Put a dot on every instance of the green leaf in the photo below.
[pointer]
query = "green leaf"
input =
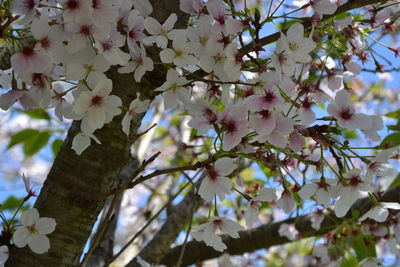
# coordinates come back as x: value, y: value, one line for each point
x: 342, y: 15
x: 22, y: 136
x: 56, y: 145
x: 11, y: 203
x: 395, y: 182
x: 394, y: 114
x: 394, y: 127
x: 38, y: 114
x: 391, y: 140
x: 37, y: 142
x: 350, y: 134
x: 362, y: 250
x: 349, y: 261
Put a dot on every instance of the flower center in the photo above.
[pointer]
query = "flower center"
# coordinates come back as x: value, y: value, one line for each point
x: 32, y: 229
x: 346, y: 114
x: 97, y: 100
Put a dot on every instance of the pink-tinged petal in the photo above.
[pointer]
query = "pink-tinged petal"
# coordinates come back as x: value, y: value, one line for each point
x: 39, y: 244
x: 286, y: 202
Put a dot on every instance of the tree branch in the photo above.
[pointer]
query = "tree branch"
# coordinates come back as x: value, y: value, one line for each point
x: 351, y: 4
x: 267, y: 235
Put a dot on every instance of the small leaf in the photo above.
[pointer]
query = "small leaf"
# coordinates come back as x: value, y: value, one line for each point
x: 391, y: 140
x: 362, y: 250
x: 38, y: 114
x: 34, y: 144
x: 394, y: 114
x: 56, y: 145
x: 22, y: 136
x: 395, y: 182
x: 11, y: 203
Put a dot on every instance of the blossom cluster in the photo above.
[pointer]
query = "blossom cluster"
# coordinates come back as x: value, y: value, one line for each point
x: 253, y: 103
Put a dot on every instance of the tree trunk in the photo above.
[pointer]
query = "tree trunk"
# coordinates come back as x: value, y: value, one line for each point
x: 70, y: 192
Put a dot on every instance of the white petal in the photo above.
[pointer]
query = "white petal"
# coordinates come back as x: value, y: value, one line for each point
x: 46, y: 225
x: 39, y: 244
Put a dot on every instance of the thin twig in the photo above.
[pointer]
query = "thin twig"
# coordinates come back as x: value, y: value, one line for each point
x: 146, y: 225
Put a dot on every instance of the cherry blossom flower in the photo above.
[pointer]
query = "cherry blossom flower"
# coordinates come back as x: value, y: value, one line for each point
x: 252, y: 211
x: 139, y: 65
x: 192, y: 7
x: 316, y: 219
x: 283, y: 62
x: 135, y: 29
x: 103, y: 11
x: 339, y: 25
x: 379, y: 164
x: 109, y: 48
x: 321, y: 251
x: 370, y: 262
x: 144, y: 7
x: 205, y: 115
x: 323, y: 7
x: 49, y: 39
x: 97, y: 106
x: 214, y: 59
x: 349, y: 194
x: 263, y: 122
x: 323, y: 189
x: 180, y: 54
x: 207, y: 232
x: 29, y: 60
x: 217, y: 182
x: 376, y: 125
x: 4, y: 254
x: 135, y: 108
x: 225, y: 24
x: 87, y: 64
x: 77, y: 10
x: 286, y: 201
x: 27, y: 8
x: 81, y: 32
x: 283, y: 127
x: 343, y: 110
x: 175, y: 89
x: 289, y: 231
x: 33, y: 231
x: 160, y: 33
x: 265, y: 100
x: 82, y: 141
x: 296, y: 44
x: 380, y: 211
x: 234, y: 124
